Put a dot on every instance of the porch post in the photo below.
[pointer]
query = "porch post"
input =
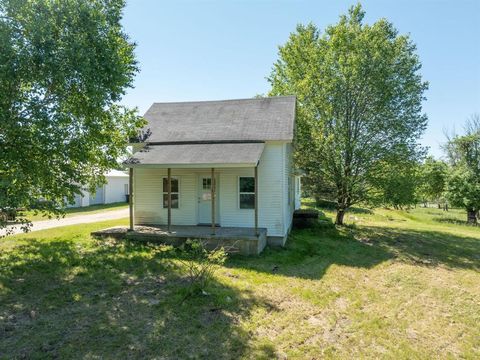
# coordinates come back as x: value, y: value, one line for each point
x: 169, y: 199
x: 212, y: 195
x: 256, y: 200
x: 130, y: 197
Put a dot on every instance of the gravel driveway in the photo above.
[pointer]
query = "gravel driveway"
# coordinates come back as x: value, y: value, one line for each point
x: 73, y: 220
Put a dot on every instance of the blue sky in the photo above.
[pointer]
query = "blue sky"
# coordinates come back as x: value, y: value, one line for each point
x: 209, y: 50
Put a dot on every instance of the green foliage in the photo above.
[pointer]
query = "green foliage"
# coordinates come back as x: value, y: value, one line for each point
x: 200, y: 264
x: 64, y: 65
x: 359, y: 97
x: 464, y: 189
x: 394, y: 183
x: 432, y: 179
x: 314, y: 185
x: 463, y: 184
x: 465, y: 150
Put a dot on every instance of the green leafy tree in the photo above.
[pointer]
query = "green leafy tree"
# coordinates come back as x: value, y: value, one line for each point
x: 432, y: 182
x: 394, y: 183
x: 465, y: 149
x: 463, y: 190
x: 463, y: 185
x: 313, y: 185
x: 64, y: 66
x: 359, y: 95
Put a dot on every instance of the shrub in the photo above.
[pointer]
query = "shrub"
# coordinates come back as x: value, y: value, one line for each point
x: 200, y: 264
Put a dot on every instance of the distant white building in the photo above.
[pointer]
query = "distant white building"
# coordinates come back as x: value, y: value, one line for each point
x: 115, y: 190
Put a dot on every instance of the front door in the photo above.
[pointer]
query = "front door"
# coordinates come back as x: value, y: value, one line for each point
x: 205, y: 200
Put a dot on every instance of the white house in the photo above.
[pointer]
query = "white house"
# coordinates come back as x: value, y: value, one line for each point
x: 245, y: 144
x: 115, y: 190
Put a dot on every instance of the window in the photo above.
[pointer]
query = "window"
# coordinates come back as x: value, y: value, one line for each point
x: 207, y: 184
x: 175, y: 193
x: 125, y: 187
x: 246, y: 192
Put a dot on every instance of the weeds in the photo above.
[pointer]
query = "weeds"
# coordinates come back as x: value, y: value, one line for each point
x: 200, y: 264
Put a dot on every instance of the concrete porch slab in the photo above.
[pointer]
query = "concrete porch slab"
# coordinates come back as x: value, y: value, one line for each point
x: 233, y: 239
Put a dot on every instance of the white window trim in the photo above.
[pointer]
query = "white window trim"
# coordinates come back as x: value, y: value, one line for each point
x: 239, y: 192
x: 166, y: 193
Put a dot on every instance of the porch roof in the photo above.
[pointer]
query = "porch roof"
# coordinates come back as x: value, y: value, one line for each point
x: 197, y: 155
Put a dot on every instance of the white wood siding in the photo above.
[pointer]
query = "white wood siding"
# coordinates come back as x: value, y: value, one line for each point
x: 289, y: 199
x: 270, y: 190
x: 272, y: 198
x: 115, y: 189
x: 148, y: 197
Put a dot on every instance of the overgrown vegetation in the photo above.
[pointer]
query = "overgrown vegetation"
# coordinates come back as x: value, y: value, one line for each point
x: 200, y: 264
x: 390, y: 284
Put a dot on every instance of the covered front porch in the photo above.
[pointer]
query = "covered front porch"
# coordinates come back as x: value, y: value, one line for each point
x: 241, y: 240
x: 206, y: 191
x: 195, y: 184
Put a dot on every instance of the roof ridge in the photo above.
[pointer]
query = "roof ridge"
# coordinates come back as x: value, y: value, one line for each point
x: 226, y: 100
x: 204, y: 142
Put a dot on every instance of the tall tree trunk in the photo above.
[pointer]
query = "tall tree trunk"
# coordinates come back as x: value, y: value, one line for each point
x: 340, y: 216
x: 471, y: 216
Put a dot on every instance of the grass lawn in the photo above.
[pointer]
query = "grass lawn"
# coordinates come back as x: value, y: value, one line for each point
x: 392, y: 284
x: 86, y: 210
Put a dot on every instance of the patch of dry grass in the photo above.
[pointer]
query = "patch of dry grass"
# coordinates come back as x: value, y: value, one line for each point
x: 391, y: 284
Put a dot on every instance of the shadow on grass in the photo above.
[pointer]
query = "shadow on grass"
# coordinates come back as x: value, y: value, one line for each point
x: 310, y: 252
x: 67, y: 298
x: 423, y: 247
x: 452, y: 220
x: 332, y: 206
x: 59, y: 299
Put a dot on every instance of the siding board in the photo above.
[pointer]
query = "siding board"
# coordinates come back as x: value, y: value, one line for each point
x: 272, y: 185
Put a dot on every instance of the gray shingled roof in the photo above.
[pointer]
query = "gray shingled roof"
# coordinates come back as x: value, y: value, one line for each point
x: 238, y: 154
x: 238, y: 120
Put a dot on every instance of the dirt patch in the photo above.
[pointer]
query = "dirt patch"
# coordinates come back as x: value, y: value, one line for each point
x: 337, y: 331
x: 319, y: 321
x: 327, y: 331
x: 341, y: 304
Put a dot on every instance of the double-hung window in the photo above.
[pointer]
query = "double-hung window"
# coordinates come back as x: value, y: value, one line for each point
x: 246, y: 192
x: 175, y: 192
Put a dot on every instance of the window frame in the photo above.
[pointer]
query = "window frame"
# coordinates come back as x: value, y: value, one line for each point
x: 246, y: 193
x: 173, y: 193
x: 209, y: 186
